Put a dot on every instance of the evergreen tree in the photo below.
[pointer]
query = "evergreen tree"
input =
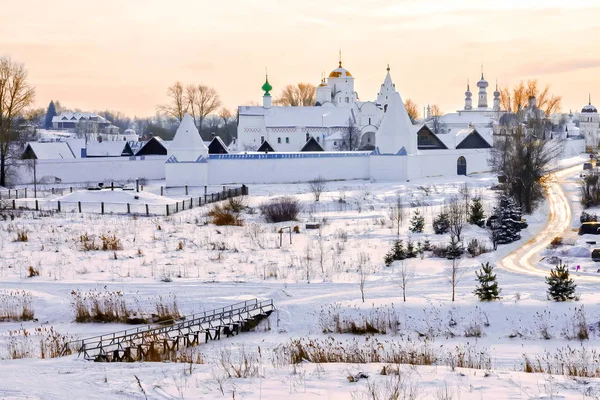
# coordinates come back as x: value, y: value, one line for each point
x: 411, y: 252
x: 388, y: 259
x: 417, y: 222
x: 488, y: 286
x: 455, y: 249
x: 507, y: 222
x: 561, y: 286
x: 50, y: 113
x: 398, y: 250
x: 426, y: 245
x: 441, y: 223
x: 476, y: 214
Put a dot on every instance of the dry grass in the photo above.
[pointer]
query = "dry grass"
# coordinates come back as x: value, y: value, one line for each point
x: 16, y: 305
x: 380, y: 320
x: 43, y: 342
x: 243, y: 363
x: 95, y: 306
x: 224, y: 216
x: 574, y: 362
x: 108, y: 242
x: 33, y: 272
x: 22, y: 235
x: 166, y: 311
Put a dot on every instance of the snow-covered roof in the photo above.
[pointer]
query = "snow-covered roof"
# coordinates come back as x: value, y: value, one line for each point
x: 465, y: 118
x: 300, y: 116
x: 113, y: 148
x: 51, y: 150
x: 396, y: 130
x: 68, y: 116
x: 454, y: 139
x: 187, y: 135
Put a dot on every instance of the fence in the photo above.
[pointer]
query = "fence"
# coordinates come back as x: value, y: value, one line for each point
x: 142, y: 209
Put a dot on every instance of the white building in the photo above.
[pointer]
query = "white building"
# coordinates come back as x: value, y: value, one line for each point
x: 589, y: 126
x: 481, y: 117
x: 336, y: 121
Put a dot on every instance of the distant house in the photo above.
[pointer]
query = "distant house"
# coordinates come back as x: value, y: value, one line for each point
x: 108, y: 149
x: 83, y: 123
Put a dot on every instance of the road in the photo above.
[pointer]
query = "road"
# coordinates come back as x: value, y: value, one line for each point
x: 525, y: 259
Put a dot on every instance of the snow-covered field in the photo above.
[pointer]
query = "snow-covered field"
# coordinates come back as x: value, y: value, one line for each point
x: 312, y: 281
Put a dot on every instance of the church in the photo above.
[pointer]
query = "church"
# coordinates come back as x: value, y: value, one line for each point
x: 337, y: 121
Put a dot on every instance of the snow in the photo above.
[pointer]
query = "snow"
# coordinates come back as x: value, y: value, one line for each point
x: 355, y: 220
x: 116, y: 196
x: 106, y: 148
x: 51, y: 150
x: 315, y: 117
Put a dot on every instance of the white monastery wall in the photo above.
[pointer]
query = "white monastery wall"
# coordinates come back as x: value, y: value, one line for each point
x: 81, y: 170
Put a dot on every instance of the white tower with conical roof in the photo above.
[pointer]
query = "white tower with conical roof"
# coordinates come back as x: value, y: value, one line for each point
x: 395, y: 131
x: 187, y: 145
x: 482, y: 85
x: 468, y: 100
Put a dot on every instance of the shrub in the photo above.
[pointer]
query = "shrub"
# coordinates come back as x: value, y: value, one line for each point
x: 235, y: 205
x: 476, y: 248
x: 557, y: 241
x: 488, y: 286
x: 33, y: 271
x: 111, y: 243
x: 16, y: 306
x: 242, y: 363
x: 225, y: 215
x: 280, y: 210
x: 476, y: 213
x: 586, y: 217
x: 441, y: 223
x: 88, y: 242
x: 22, y: 235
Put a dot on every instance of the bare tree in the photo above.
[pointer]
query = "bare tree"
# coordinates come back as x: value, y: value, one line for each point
x: 397, y: 213
x: 457, y: 217
x: 465, y: 193
x: 406, y: 274
x: 178, y: 103
x: 204, y: 101
x: 317, y: 186
x: 454, y: 271
x: 363, y: 270
x: 229, y: 124
x: 517, y: 98
x: 524, y: 159
x: 435, y: 118
x: 300, y: 95
x: 15, y: 96
x: 412, y: 109
x: 350, y: 140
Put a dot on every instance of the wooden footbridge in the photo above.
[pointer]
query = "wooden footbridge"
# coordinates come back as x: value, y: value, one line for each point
x: 150, y: 342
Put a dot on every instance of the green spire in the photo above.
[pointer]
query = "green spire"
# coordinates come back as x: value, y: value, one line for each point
x: 267, y: 86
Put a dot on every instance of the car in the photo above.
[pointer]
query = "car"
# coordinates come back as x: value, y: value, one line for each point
x: 590, y: 228
x: 596, y: 255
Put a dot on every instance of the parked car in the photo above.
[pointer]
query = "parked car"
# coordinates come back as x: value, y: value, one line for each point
x: 587, y: 166
x: 596, y: 255
x: 590, y: 228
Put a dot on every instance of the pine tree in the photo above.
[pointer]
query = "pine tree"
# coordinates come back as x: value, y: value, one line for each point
x: 426, y: 245
x: 476, y: 214
x: 399, y: 251
x: 508, y: 222
x: 410, y: 250
x: 488, y: 286
x: 441, y: 223
x: 389, y: 258
x: 417, y: 222
x: 50, y: 113
x: 561, y: 286
x: 454, y: 250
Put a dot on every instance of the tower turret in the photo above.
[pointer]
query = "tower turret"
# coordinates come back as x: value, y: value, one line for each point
x: 323, y: 93
x: 468, y: 100
x: 267, y: 89
x: 482, y: 85
x: 496, y: 99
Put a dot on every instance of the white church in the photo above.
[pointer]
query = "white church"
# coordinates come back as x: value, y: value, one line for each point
x: 337, y: 107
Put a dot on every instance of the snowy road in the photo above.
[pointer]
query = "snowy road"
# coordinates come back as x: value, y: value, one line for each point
x: 525, y: 259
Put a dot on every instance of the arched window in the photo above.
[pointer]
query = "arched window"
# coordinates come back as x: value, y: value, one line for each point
x: 461, y: 166
x: 278, y: 140
x: 369, y: 121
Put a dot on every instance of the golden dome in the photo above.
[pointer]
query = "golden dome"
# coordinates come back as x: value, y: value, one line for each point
x: 340, y: 72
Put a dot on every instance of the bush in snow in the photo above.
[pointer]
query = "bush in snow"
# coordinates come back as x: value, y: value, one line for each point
x: 476, y: 214
x: 561, y: 286
x: 476, y: 248
x: 577, y: 326
x: 587, y: 217
x: 441, y: 223
x: 488, y: 286
x: 417, y: 222
x: 399, y: 252
x: 280, y: 210
x: 42, y: 342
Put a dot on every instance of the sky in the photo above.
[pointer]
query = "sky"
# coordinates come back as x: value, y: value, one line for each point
x: 123, y: 54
